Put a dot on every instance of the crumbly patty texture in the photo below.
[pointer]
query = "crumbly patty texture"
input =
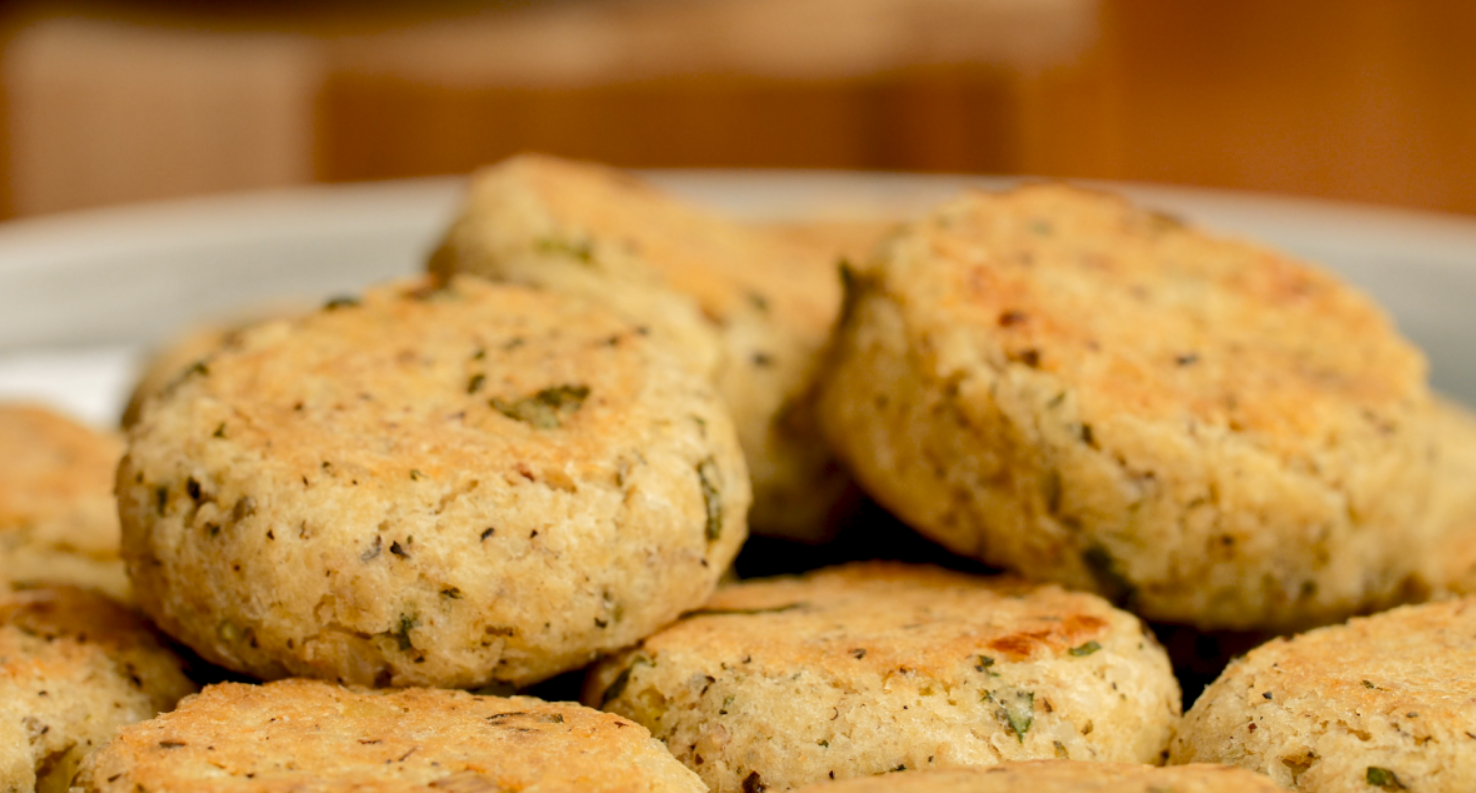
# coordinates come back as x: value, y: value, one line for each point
x: 453, y: 485
x: 74, y: 666
x: 876, y: 667
x: 1212, y: 433
x: 1384, y: 702
x: 58, y: 520
x: 296, y: 735
x: 749, y: 308
x: 1059, y: 776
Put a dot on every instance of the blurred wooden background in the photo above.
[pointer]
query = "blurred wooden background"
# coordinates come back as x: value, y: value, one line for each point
x: 1369, y: 100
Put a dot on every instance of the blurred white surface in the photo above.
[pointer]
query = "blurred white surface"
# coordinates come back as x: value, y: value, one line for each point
x: 82, y: 294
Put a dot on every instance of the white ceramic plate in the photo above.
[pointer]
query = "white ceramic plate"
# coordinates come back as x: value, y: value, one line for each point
x: 82, y: 294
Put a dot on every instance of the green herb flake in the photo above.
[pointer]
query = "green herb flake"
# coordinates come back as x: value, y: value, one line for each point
x: 373, y: 550
x: 712, y: 498
x: 983, y: 664
x: 1084, y: 650
x: 342, y: 301
x: 227, y: 632
x: 416, y: 475
x: 1383, y: 778
x: 402, y: 631
x: 617, y: 686
x: 1110, y: 580
x: 1162, y: 222
x: 547, y: 409
x: 1051, y: 491
x: 536, y: 718
x: 219, y: 431
x: 561, y: 247
x: 848, y: 274
x: 1017, y: 709
x: 1367, y: 684
x: 475, y: 383
x: 714, y: 612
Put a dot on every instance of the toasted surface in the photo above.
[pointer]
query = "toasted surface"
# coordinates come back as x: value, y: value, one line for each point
x: 1059, y: 776
x: 300, y: 735
x: 450, y: 486
x: 58, y: 519
x: 74, y: 666
x: 866, y: 668
x: 1383, y: 702
x: 174, y: 357
x: 1054, y: 381
x: 750, y: 309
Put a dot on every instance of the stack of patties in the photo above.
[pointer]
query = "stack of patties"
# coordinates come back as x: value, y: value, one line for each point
x: 1206, y: 431
x: 749, y: 308
x: 75, y: 663
x: 74, y: 667
x: 814, y: 697
x: 461, y: 483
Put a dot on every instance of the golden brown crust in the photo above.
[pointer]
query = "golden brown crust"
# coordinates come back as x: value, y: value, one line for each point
x: 74, y: 666
x: 171, y: 360
x: 58, y: 519
x: 1057, y: 382
x: 1059, y: 776
x: 749, y: 309
x: 1383, y: 702
x: 437, y: 485
x: 867, y: 667
x: 296, y: 735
